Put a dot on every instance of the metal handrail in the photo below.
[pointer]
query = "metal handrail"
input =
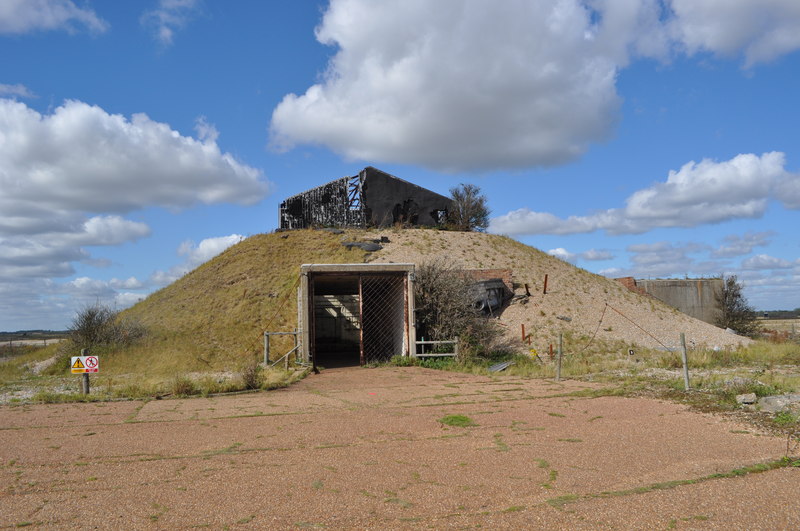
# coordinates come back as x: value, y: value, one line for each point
x: 285, y: 357
x: 453, y: 342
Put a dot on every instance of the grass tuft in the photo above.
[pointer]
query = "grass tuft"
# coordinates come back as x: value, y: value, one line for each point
x: 458, y: 421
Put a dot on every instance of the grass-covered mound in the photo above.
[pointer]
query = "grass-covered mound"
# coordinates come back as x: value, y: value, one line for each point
x: 213, y: 318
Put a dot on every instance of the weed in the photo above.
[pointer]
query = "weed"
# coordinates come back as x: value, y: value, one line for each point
x: 404, y: 361
x: 784, y: 462
x: 250, y: 375
x: 183, y: 386
x: 785, y: 418
x: 500, y: 444
x: 459, y: 421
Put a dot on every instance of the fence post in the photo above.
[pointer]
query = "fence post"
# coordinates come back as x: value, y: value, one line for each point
x: 266, y: 348
x: 685, y: 361
x: 560, y: 351
x: 455, y: 349
x: 85, y: 380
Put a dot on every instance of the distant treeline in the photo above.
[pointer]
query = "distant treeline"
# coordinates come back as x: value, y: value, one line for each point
x: 780, y: 314
x: 32, y: 335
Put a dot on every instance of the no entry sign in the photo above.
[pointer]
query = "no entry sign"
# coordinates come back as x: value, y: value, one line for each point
x: 82, y: 364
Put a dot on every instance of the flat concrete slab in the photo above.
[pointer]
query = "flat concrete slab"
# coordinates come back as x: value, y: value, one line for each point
x: 364, y: 448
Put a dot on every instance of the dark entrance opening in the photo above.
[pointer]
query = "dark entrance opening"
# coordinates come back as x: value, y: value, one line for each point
x: 358, y: 318
x: 337, y: 321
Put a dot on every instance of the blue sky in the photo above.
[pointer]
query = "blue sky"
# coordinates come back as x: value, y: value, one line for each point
x: 646, y: 138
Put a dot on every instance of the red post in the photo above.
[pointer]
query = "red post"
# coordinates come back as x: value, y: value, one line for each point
x: 544, y: 291
x: 523, y: 331
x: 551, y: 351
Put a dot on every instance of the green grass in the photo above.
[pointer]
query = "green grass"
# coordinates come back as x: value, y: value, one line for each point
x: 560, y: 501
x: 458, y: 421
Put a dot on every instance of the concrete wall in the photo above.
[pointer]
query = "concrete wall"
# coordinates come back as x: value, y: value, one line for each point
x: 695, y: 297
x: 389, y: 200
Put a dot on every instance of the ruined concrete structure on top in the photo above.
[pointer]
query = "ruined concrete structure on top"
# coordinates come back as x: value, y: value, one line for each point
x: 372, y: 198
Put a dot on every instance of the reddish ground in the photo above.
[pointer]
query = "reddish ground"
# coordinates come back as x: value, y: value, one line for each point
x: 364, y: 449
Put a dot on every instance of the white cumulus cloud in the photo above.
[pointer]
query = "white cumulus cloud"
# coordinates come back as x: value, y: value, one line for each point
x: 475, y: 86
x: 81, y: 158
x: 762, y: 30
x: 697, y: 194
x: 23, y: 16
x: 67, y: 180
x: 456, y: 85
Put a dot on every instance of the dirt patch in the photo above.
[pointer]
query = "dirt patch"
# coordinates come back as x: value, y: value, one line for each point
x: 366, y: 448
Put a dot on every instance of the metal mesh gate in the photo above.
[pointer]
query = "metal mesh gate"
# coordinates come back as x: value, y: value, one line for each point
x: 383, y: 322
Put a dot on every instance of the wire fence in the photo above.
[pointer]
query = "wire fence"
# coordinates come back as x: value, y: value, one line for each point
x: 383, y: 307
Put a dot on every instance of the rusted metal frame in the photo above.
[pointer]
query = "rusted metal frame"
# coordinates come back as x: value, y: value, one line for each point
x: 406, y: 327
x: 337, y: 203
x: 312, y: 324
x: 361, y: 320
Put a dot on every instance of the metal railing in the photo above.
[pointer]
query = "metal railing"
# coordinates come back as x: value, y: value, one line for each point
x: 285, y: 357
x: 420, y: 352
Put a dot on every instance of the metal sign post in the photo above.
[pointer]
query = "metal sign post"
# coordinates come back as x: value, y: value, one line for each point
x: 84, y: 364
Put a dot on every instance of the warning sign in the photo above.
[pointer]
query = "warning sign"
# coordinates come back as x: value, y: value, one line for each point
x: 81, y: 364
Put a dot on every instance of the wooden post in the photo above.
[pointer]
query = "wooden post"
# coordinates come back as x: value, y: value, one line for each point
x: 560, y: 351
x: 544, y: 291
x: 266, y: 348
x: 685, y: 361
x: 523, y: 331
x: 551, y: 352
x: 85, y: 380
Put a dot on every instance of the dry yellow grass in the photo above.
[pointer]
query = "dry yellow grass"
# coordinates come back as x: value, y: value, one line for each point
x: 213, y: 318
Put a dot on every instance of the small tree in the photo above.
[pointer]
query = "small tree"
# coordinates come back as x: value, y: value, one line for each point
x: 469, y: 210
x: 735, y: 312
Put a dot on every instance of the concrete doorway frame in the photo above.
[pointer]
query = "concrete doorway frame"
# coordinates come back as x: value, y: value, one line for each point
x: 405, y: 325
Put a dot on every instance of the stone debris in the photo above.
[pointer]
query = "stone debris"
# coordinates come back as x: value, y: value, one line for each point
x: 775, y: 404
x: 747, y: 398
x: 366, y: 246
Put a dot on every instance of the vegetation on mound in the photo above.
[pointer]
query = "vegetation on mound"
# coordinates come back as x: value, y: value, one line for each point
x: 213, y: 318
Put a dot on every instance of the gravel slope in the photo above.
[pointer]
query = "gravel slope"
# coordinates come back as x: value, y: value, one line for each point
x: 594, y: 305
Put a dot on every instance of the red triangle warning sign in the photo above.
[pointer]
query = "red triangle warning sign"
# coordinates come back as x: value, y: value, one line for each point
x: 78, y: 364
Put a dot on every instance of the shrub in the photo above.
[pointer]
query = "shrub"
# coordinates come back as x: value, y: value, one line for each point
x: 251, y: 375
x: 445, y: 310
x: 98, y: 325
x: 183, y: 386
